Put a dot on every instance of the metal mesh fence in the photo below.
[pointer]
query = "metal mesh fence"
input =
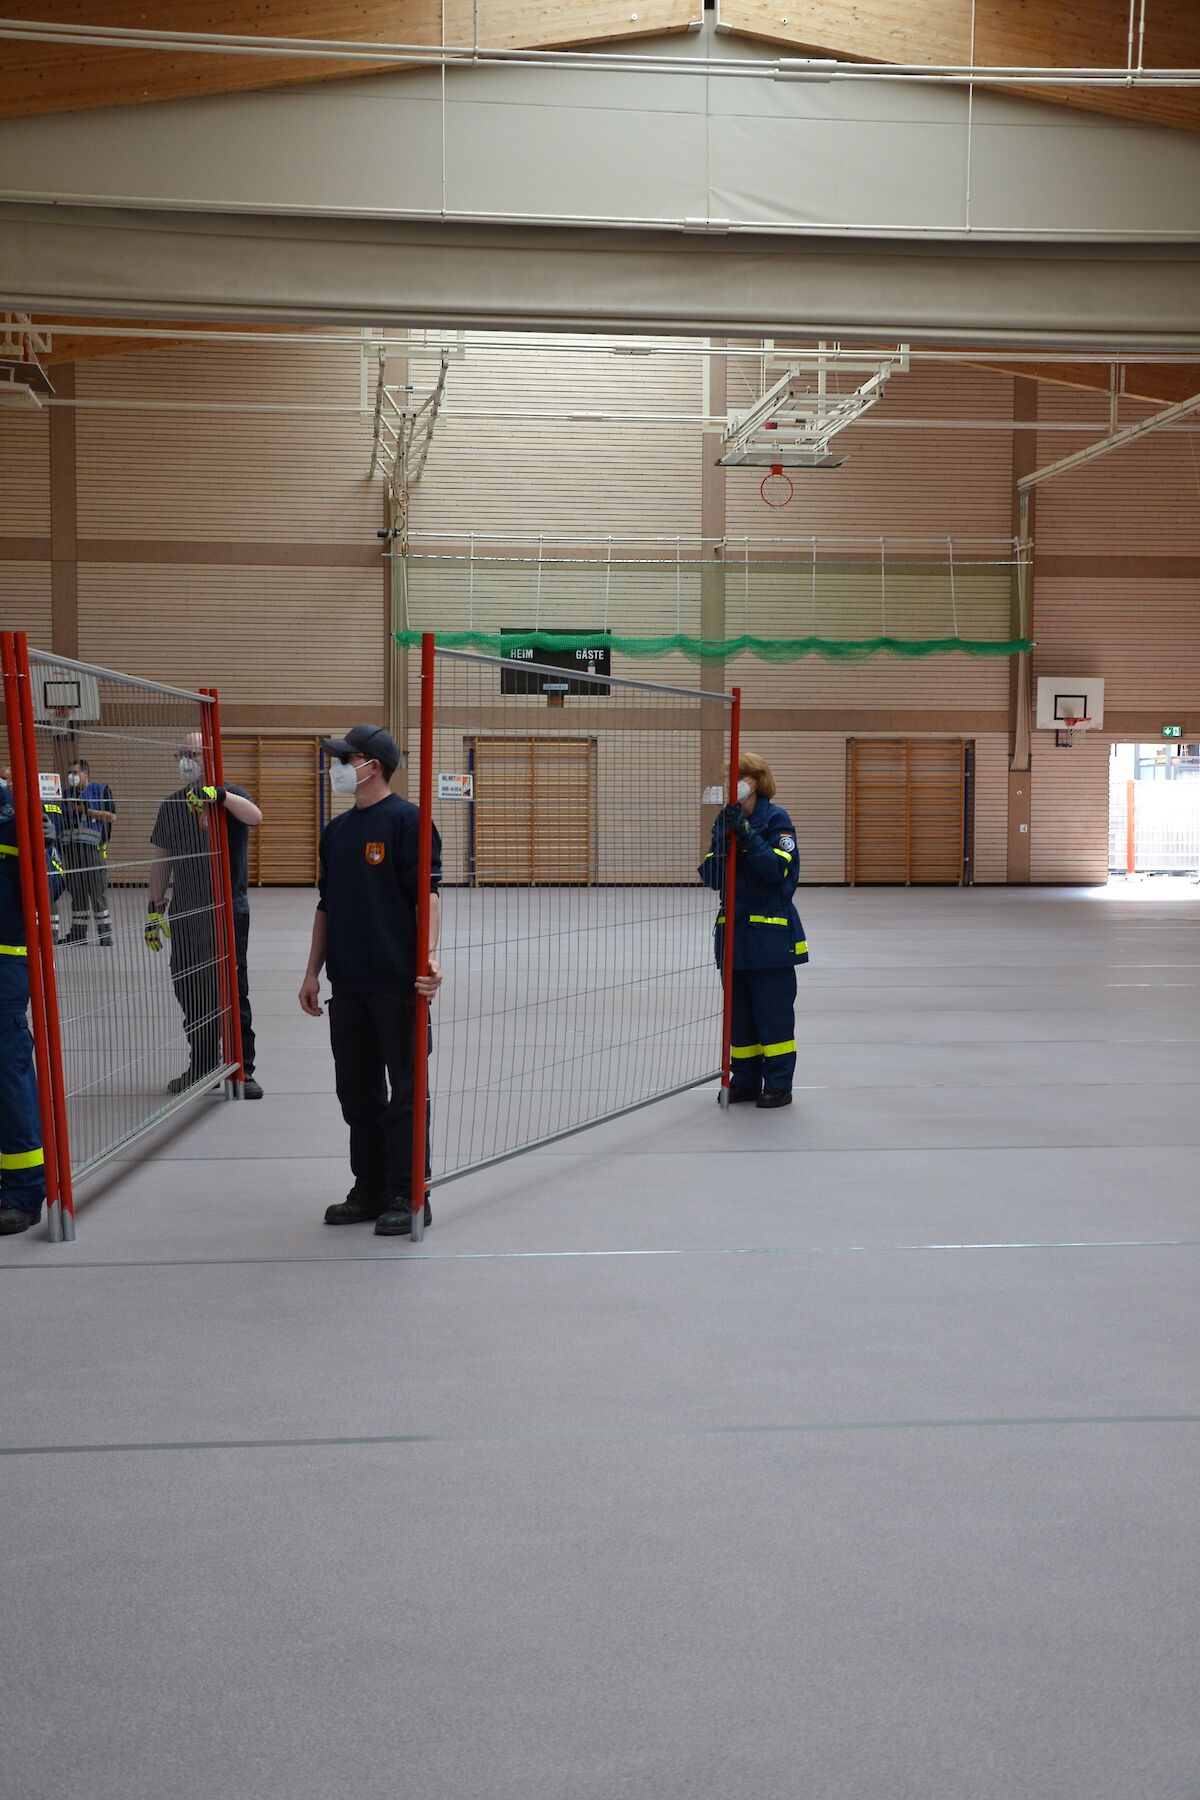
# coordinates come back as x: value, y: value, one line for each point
x: 121, y: 763
x: 576, y: 940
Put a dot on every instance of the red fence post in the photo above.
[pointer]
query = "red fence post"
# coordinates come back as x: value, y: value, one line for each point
x: 420, y: 1178
x: 39, y: 936
x: 735, y: 738
x: 227, y: 978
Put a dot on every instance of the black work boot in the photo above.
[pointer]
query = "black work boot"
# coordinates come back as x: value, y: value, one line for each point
x: 397, y: 1220
x: 355, y: 1209
x: 775, y: 1097
x: 16, y: 1218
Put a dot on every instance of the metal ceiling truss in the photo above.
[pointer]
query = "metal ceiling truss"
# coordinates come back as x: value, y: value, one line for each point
x: 792, y: 425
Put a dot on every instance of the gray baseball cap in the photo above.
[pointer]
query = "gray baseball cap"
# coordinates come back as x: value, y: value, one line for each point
x: 371, y: 741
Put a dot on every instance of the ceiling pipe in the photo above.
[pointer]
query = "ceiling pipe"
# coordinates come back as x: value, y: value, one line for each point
x: 466, y: 55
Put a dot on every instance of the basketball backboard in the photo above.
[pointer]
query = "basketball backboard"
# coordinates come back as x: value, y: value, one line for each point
x: 58, y: 687
x: 1064, y: 697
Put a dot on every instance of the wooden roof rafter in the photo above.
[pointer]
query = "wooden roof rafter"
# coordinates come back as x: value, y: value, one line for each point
x: 38, y: 77
x: 996, y: 34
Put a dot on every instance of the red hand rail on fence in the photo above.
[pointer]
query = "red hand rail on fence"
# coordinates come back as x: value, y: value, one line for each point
x: 227, y: 975
x: 735, y: 729
x: 420, y: 1179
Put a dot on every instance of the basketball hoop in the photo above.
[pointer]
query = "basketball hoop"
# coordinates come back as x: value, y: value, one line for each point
x: 60, y: 720
x: 1064, y: 737
x: 777, y: 497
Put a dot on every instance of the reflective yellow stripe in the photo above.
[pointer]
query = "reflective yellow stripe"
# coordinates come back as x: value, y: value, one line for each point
x: 720, y: 918
x: 708, y: 857
x: 762, y: 919
x: 784, y: 1049
x: 22, y: 1159
x: 802, y: 947
x: 9, y: 850
x: 737, y: 1050
x: 13, y: 950
x: 786, y: 854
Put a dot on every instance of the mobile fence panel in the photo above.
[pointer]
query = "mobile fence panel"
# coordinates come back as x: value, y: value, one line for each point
x: 577, y: 941
x: 143, y: 957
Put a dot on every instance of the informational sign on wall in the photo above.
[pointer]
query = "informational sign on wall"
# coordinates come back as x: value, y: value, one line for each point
x: 51, y: 786
x: 456, y: 787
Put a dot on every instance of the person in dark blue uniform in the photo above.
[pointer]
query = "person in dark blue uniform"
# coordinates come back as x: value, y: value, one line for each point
x: 365, y: 935
x: 22, y: 1161
x: 768, y: 938
x: 89, y: 814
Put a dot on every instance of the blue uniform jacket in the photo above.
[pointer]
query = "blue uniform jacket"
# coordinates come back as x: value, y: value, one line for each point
x: 767, y: 933
x: 14, y: 979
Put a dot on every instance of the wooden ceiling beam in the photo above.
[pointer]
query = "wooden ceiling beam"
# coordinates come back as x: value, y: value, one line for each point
x: 48, y: 78
x: 1038, y: 34
x: 1140, y: 381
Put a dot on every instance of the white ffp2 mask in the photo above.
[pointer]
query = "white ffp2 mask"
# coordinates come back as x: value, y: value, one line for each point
x: 189, y: 768
x: 745, y: 789
x: 343, y: 779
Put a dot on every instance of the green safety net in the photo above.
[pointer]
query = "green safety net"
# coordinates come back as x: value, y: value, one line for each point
x: 776, y: 650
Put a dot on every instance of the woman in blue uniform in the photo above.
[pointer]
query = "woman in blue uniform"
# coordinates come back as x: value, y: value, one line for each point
x: 768, y: 938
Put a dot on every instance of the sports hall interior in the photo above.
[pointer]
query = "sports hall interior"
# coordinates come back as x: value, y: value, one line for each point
x: 845, y: 1453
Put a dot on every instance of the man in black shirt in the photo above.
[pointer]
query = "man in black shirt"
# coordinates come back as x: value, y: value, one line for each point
x: 183, y: 863
x: 365, y: 935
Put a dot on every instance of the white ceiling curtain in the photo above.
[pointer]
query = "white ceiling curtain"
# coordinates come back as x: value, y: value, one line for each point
x: 316, y: 271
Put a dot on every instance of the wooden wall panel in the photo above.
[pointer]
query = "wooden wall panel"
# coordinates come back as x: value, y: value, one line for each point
x: 310, y: 638
x: 24, y: 473
x: 1144, y: 499
x: 281, y: 776
x: 25, y: 600
x: 990, y: 860
x: 1069, y: 816
x: 579, y: 478
x: 1143, y: 637
x: 274, y: 477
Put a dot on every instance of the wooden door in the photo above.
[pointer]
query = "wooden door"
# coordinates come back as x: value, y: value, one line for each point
x: 908, y: 811
x: 533, y: 811
x: 282, y: 777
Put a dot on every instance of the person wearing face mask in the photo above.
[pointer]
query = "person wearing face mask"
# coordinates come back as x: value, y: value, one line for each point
x: 365, y: 936
x: 89, y: 813
x: 768, y: 938
x: 182, y: 867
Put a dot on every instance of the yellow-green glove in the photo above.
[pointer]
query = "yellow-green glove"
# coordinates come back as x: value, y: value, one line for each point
x: 199, y: 798
x: 156, y: 929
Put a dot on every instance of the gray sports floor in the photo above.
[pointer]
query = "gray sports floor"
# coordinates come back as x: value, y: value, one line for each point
x: 851, y: 1451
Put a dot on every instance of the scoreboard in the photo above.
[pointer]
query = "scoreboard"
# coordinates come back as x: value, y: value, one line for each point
x: 571, y: 667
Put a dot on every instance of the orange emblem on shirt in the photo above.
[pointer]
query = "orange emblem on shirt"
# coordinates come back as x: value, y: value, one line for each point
x: 376, y: 852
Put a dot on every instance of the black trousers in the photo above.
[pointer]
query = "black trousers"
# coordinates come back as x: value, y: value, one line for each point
x: 241, y: 938
x: 194, y: 978
x: 371, y: 1036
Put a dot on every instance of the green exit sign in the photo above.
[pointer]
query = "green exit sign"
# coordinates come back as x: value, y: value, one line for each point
x: 1173, y: 731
